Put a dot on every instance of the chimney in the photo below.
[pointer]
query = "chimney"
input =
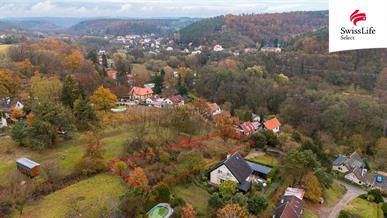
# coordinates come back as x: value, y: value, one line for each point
x: 363, y: 172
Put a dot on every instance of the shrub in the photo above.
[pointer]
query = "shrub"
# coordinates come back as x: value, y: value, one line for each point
x: 240, y: 199
x: 163, y: 193
x: 227, y: 188
x: 215, y: 201
x: 256, y: 204
x: 384, y: 208
x: 344, y: 214
x: 378, y: 198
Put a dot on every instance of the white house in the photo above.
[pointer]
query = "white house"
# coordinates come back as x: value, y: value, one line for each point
x: 176, y: 100
x: 218, y: 48
x: 236, y: 168
x: 214, y: 108
x: 6, y: 106
x: 155, y: 102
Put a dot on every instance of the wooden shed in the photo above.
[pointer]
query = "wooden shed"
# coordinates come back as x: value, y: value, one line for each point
x: 28, y: 167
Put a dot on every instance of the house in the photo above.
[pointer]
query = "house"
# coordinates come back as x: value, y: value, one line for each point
x: 28, y: 167
x: 345, y: 164
x: 291, y: 204
x: 176, y: 100
x: 218, y: 48
x: 236, y: 168
x: 6, y: 106
x: 360, y: 176
x: 248, y: 127
x: 271, y: 49
x: 214, y: 108
x: 155, y: 102
x: 140, y: 94
x: 272, y: 124
x: 354, y: 169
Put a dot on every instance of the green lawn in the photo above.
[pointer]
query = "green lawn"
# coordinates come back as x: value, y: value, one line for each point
x: 88, y: 197
x: 364, y: 208
x: 195, y: 196
x: 333, y: 194
x: 67, y: 154
x: 265, y: 160
x: 308, y: 213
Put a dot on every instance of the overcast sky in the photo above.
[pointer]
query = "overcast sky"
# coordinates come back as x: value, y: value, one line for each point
x: 151, y: 8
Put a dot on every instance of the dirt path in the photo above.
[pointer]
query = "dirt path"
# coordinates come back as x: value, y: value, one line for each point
x: 352, y: 193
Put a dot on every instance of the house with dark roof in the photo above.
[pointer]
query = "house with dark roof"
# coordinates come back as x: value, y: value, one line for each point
x: 345, y: 164
x: 291, y: 204
x: 236, y: 168
x: 354, y: 169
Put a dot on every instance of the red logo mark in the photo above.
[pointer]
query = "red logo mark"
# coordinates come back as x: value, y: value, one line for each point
x: 356, y: 17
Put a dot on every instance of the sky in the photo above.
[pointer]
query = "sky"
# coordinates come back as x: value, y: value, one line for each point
x: 151, y: 8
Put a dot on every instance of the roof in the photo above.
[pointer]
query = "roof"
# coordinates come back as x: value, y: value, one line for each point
x: 296, y: 192
x: 248, y: 126
x: 340, y: 160
x: 289, y: 207
x: 362, y: 175
x: 213, y: 106
x: 176, y: 99
x: 272, y: 124
x: 141, y: 91
x: 245, y: 186
x: 355, y: 161
x: 27, y: 162
x: 258, y: 167
x: 237, y: 166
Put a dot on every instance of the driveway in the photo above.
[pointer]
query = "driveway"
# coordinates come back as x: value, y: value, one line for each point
x: 352, y: 193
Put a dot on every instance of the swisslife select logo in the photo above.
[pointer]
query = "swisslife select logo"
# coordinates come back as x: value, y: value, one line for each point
x: 357, y: 24
x: 350, y: 33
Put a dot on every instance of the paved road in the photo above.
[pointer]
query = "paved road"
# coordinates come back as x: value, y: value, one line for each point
x: 352, y: 193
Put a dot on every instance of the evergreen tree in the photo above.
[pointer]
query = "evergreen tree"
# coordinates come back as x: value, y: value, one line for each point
x: 71, y: 91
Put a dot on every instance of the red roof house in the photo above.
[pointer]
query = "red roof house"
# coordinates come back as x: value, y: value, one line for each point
x: 272, y: 124
x: 139, y: 93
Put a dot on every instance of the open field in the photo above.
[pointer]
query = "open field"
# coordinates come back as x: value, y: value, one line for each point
x: 263, y: 158
x: 308, y: 213
x: 333, y: 194
x: 365, y: 209
x: 195, y: 196
x: 3, y: 49
x: 67, y: 154
x: 86, y: 197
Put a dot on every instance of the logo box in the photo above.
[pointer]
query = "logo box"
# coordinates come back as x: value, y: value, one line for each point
x: 357, y: 24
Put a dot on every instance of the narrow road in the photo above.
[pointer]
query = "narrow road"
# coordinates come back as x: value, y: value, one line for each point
x: 352, y: 193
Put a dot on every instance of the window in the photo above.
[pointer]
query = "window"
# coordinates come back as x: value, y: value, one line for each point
x: 228, y: 174
x: 219, y: 171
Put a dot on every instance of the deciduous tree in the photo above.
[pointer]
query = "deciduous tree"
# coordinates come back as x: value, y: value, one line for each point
x: 188, y: 211
x: 232, y: 211
x: 103, y: 99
